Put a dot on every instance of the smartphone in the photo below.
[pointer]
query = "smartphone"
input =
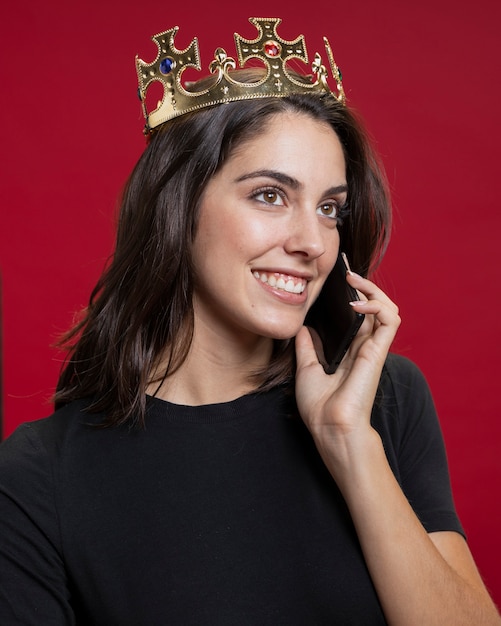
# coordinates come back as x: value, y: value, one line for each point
x: 333, y: 317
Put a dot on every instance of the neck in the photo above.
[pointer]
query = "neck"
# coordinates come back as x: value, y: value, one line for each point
x: 217, y: 369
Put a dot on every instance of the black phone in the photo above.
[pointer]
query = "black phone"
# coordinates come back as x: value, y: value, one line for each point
x: 333, y: 317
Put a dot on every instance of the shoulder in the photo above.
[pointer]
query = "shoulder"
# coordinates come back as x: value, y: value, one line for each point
x: 404, y: 412
x: 403, y: 390
x: 404, y: 394
x: 401, y: 373
x: 33, y: 443
x: 33, y: 466
x: 32, y: 570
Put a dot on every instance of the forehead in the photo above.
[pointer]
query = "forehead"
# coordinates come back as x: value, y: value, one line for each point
x: 295, y: 143
x: 287, y: 123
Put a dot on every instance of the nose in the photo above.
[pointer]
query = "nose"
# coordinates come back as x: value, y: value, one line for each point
x: 305, y: 235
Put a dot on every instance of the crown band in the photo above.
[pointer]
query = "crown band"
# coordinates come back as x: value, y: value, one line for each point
x: 268, y: 47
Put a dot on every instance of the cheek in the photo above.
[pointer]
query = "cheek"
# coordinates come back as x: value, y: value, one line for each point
x: 221, y: 242
x: 247, y: 238
x: 332, y: 248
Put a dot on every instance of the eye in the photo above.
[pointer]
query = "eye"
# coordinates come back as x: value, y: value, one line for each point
x: 329, y: 209
x: 269, y: 196
x: 333, y: 211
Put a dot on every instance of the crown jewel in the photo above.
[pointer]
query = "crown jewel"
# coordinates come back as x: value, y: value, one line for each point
x: 268, y: 47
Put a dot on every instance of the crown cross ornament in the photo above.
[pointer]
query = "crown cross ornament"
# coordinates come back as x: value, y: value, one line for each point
x: 268, y: 47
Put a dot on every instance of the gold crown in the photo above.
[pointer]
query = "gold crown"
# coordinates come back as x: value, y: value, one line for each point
x: 269, y: 47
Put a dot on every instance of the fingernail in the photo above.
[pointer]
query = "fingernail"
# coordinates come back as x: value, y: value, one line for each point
x: 347, y: 265
x: 358, y: 302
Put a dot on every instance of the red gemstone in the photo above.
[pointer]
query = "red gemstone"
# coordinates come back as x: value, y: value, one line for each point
x: 272, y: 48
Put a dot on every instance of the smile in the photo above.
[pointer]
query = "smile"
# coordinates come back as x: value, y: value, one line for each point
x: 291, y: 284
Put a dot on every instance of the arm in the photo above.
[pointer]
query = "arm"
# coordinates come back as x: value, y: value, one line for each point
x: 420, y: 578
x: 33, y: 586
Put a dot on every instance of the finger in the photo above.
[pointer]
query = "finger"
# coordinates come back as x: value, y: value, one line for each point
x: 370, y: 290
x: 384, y: 312
x: 307, y: 354
x: 317, y: 344
x: 384, y: 321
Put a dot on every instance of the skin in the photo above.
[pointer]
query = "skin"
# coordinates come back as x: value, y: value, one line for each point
x: 270, y: 214
x: 420, y: 578
x: 283, y: 224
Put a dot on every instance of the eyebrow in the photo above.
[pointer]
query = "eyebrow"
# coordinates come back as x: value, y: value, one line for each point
x: 290, y: 181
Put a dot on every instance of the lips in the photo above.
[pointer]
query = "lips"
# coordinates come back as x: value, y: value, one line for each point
x: 284, y: 282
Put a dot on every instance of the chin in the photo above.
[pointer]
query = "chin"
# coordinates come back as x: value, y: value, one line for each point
x: 283, y: 333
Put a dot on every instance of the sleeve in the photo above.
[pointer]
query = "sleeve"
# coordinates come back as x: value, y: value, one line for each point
x: 418, y: 446
x: 33, y: 585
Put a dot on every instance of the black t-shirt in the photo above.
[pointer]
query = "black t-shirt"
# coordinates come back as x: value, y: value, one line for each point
x: 214, y: 515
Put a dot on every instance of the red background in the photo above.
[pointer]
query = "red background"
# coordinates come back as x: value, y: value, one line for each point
x: 426, y: 77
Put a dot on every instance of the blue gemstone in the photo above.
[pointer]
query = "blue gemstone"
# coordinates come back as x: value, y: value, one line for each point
x: 166, y: 65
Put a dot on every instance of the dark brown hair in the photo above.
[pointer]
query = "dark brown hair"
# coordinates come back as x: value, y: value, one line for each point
x: 142, y: 304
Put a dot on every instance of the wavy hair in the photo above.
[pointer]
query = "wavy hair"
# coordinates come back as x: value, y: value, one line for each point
x: 141, y: 307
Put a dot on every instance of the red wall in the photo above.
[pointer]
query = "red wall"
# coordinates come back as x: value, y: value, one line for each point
x: 426, y: 77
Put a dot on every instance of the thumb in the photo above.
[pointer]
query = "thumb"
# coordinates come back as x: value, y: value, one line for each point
x: 308, y: 348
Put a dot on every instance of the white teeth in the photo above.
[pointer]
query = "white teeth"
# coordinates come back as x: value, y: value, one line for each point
x: 279, y: 283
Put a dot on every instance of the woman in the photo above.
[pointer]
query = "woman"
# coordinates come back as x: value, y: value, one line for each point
x: 202, y: 468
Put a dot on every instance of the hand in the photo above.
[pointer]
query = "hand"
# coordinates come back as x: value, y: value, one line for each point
x: 336, y: 405
x: 420, y: 578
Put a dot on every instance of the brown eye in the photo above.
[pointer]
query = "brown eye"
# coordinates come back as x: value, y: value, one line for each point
x: 270, y: 196
x: 328, y: 210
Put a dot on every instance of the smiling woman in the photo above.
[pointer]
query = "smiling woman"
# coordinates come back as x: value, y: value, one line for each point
x: 224, y: 476
x: 184, y: 168
x: 266, y: 241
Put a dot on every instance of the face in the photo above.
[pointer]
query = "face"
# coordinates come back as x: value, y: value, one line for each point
x: 267, y: 234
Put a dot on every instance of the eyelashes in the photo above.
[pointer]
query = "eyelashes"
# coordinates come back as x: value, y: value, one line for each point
x: 270, y: 195
x: 343, y: 213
